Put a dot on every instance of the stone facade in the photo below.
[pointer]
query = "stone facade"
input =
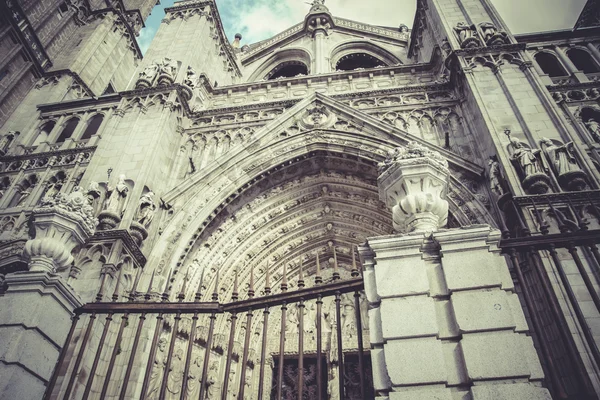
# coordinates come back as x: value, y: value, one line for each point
x: 464, y: 161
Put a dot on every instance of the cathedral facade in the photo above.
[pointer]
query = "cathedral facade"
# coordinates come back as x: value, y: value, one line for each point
x: 341, y: 211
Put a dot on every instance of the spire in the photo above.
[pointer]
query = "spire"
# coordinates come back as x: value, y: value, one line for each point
x: 251, y: 286
x: 318, y: 278
x: 235, y: 294
x: 198, y: 295
x: 267, y: 283
x: 354, y: 272
x: 336, y: 272
x: 181, y: 295
x: 147, y: 296
x: 300, y: 275
x: 165, y: 295
x: 115, y: 295
x: 284, y: 281
x: 215, y: 295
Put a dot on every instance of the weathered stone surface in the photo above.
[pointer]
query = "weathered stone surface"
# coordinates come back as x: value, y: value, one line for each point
x: 415, y: 361
x: 410, y: 316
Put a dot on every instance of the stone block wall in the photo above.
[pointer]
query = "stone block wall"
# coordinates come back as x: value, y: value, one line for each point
x: 445, y: 321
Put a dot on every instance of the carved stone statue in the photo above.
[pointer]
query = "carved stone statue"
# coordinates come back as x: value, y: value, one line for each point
x: 495, y: 177
x: 5, y: 141
x: 534, y: 177
x: 194, y: 378
x: 564, y: 164
x: 93, y: 193
x: 491, y: 35
x: 291, y: 326
x: 191, y: 78
x: 23, y: 195
x: 158, y: 369
x: 149, y: 73
x: 333, y: 385
x: 594, y: 129
x: 348, y: 318
x: 467, y: 35
x: 146, y: 209
x: 175, y: 375
x: 168, y: 66
x: 117, y: 197
x: 212, y: 385
x: 527, y: 158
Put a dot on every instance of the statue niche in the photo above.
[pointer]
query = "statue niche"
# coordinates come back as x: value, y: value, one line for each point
x: 115, y: 202
x: 564, y: 165
x: 143, y: 217
x: 159, y: 73
x: 530, y: 167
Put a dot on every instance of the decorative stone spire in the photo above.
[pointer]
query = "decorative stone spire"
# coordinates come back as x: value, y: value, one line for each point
x: 413, y: 183
x: 61, y: 223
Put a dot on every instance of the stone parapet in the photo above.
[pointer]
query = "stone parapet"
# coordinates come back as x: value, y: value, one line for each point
x: 445, y: 322
x: 35, y: 318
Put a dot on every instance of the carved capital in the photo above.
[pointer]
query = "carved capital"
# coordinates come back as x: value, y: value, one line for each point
x: 61, y: 223
x: 413, y: 184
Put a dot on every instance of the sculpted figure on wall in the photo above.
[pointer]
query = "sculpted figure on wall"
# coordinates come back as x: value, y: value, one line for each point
x: 6, y: 141
x: 564, y: 164
x: 146, y: 209
x: 175, y: 374
x: 194, y: 377
x: 191, y: 78
x: 117, y: 197
x: 158, y: 369
x: 594, y: 128
x: 467, y: 35
x: 533, y: 174
x: 491, y: 35
x: 496, y: 178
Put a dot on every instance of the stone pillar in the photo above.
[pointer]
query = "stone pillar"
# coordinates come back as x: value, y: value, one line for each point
x: 36, y: 305
x: 35, y: 318
x: 445, y: 322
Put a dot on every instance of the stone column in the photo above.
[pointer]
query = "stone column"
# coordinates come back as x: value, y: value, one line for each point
x: 36, y: 305
x: 445, y: 321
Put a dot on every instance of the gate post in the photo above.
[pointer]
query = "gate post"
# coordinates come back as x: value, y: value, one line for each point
x: 445, y: 321
x: 36, y: 306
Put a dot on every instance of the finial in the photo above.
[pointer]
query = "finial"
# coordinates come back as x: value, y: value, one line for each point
x: 147, y: 295
x: 251, y: 286
x: 235, y: 294
x: 115, y: 295
x: 136, y: 282
x: 165, y: 295
x: 267, y: 283
x: 215, y: 295
x: 181, y: 295
x: 284, y: 282
x: 336, y: 272
x: 300, y: 275
x: 198, y: 295
x: 318, y: 278
x: 354, y: 272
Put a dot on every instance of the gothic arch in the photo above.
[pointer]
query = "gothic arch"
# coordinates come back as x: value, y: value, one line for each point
x: 347, y: 48
x: 281, y: 57
x: 212, y: 201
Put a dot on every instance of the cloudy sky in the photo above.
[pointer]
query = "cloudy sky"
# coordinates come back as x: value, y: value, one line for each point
x: 260, y: 19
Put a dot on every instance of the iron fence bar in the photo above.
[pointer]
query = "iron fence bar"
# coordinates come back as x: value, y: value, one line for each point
x: 319, y: 349
x: 575, y: 304
x: 229, y: 354
x: 165, y: 377
x: 340, y: 350
x: 245, y: 355
x: 537, y: 326
x: 188, y: 356
x: 281, y: 351
x: 209, y: 339
x: 136, y: 341
x: 150, y: 363
x: 300, y: 349
x: 79, y: 358
x: 88, y: 386
x: 559, y: 317
x: 263, y: 354
x: 113, y: 356
x: 61, y: 358
x: 359, y: 334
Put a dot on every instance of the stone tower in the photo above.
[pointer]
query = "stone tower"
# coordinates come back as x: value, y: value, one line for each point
x: 340, y: 211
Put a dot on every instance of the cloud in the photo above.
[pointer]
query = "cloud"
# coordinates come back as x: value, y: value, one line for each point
x: 258, y: 20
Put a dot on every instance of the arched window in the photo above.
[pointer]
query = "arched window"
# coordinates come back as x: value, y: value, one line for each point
x: 68, y: 130
x: 358, y: 60
x: 550, y: 65
x: 93, y: 126
x: 45, y: 130
x: 583, y: 61
x: 288, y: 69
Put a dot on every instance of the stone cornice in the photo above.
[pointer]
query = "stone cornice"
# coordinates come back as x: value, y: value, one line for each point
x: 573, y: 86
x: 69, y: 300
x: 505, y: 48
x: 47, y: 154
x: 123, y: 235
x: 75, y: 76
